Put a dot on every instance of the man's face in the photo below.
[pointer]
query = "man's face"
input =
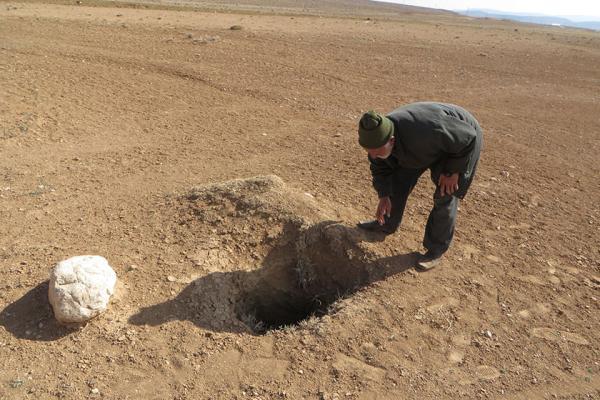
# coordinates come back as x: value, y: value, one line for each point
x: 384, y: 151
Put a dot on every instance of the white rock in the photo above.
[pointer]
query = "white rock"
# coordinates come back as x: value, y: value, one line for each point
x: 80, y: 288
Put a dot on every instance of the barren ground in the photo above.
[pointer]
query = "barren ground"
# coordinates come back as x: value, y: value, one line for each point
x: 118, y: 126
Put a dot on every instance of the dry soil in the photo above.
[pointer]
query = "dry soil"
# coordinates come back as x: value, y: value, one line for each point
x: 134, y: 132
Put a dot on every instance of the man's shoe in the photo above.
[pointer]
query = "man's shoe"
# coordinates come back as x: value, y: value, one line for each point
x: 429, y: 261
x: 375, y: 226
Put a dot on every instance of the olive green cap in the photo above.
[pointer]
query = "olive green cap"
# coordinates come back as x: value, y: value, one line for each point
x: 374, y: 130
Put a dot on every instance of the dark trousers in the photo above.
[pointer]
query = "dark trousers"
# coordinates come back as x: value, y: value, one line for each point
x: 442, y: 218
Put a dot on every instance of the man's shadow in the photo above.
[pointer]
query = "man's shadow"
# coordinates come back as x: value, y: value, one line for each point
x: 31, y: 317
x: 303, y: 274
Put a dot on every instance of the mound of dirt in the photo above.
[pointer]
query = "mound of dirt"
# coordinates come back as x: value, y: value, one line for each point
x: 275, y: 257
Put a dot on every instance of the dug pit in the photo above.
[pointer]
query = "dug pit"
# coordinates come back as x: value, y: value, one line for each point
x: 308, y: 269
x: 266, y: 257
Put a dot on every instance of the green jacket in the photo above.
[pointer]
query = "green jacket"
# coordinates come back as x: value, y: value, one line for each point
x: 443, y: 137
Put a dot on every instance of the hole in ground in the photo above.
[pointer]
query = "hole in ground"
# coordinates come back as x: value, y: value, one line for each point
x: 291, y: 285
x: 265, y: 261
x: 277, y: 300
x: 303, y: 278
x: 264, y: 312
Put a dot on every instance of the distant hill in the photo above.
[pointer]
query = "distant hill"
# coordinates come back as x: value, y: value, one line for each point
x: 360, y: 8
x: 534, y: 19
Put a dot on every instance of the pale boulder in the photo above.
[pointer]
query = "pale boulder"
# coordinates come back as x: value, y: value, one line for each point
x: 80, y: 288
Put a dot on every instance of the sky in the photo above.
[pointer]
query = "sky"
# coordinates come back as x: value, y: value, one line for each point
x: 589, y: 8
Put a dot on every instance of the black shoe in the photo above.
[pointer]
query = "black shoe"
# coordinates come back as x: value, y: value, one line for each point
x: 375, y: 226
x: 429, y: 261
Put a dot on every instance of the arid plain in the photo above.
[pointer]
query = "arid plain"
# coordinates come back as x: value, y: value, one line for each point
x: 123, y: 126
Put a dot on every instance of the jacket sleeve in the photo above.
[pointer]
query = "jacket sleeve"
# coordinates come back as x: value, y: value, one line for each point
x: 382, y: 177
x: 458, y: 141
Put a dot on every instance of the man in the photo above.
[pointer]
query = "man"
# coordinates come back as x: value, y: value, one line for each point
x: 444, y: 138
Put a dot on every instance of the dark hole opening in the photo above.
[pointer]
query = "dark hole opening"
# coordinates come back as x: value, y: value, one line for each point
x: 301, y: 279
x: 277, y: 300
x: 267, y: 313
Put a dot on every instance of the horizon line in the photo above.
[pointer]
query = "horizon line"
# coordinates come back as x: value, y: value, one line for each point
x: 593, y: 18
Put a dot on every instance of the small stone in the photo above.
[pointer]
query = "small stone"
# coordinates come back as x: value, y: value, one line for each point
x: 236, y: 27
x: 15, y: 383
x: 505, y: 174
x: 171, y: 278
x: 95, y: 391
x: 133, y: 267
x: 488, y: 334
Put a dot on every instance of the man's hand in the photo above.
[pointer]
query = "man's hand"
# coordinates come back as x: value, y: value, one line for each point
x: 384, y: 208
x: 448, y: 184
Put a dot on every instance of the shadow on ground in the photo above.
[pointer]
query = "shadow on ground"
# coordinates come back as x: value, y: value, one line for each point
x: 31, y: 317
x: 303, y: 274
